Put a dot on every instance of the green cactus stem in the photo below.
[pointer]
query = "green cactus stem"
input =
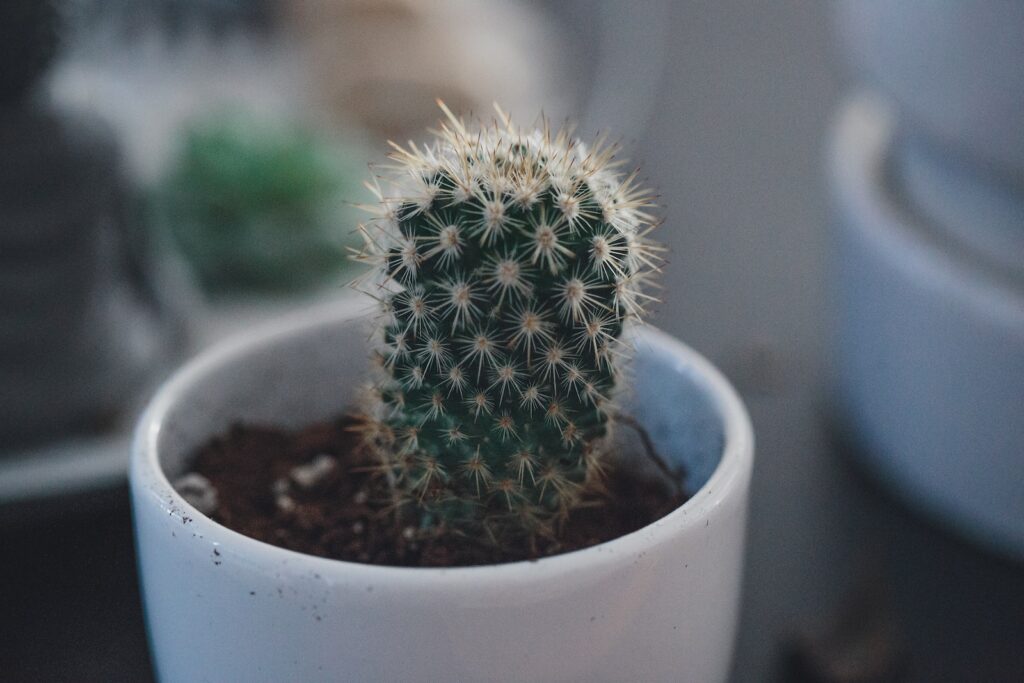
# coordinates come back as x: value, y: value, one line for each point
x: 507, y: 264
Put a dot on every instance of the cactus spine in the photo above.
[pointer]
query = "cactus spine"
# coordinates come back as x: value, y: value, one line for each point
x: 507, y: 264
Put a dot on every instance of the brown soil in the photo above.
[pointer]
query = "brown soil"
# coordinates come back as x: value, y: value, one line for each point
x: 345, y: 515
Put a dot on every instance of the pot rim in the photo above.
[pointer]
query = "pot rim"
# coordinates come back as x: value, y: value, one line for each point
x: 150, y: 484
x: 861, y: 141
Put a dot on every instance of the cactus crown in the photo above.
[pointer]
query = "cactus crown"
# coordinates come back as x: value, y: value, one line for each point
x: 507, y: 263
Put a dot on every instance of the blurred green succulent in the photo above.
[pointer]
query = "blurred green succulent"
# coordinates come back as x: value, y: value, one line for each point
x: 255, y: 205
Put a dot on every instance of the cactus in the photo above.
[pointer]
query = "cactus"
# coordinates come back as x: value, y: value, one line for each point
x: 506, y: 264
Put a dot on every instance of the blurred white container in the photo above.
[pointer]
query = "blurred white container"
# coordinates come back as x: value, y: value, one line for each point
x: 659, y: 604
x: 929, y: 345
x: 979, y: 210
x: 955, y: 68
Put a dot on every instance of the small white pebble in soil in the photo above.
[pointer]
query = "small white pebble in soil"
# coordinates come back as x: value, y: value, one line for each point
x: 198, y: 491
x: 280, y: 487
x: 361, y: 497
x: 309, y: 475
x: 284, y: 503
x: 408, y: 533
x: 357, y: 527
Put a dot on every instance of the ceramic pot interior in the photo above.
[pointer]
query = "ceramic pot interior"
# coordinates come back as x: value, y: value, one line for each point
x: 311, y: 372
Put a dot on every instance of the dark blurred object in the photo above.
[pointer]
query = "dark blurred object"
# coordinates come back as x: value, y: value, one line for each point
x: 69, y: 597
x: 860, y: 643
x: 78, y: 329
x: 28, y: 40
x: 172, y: 17
x: 255, y: 205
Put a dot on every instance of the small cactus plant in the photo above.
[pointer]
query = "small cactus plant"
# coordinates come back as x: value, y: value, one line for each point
x: 507, y: 263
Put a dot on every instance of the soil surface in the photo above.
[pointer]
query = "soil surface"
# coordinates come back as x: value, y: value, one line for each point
x: 307, y: 491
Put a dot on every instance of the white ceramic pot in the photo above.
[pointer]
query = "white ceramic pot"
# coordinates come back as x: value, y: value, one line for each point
x: 929, y: 345
x: 956, y: 68
x: 659, y: 604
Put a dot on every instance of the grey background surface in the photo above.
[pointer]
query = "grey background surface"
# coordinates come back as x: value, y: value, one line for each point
x: 735, y: 146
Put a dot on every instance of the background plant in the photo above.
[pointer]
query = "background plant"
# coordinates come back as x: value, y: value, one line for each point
x: 255, y: 204
x: 507, y: 264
